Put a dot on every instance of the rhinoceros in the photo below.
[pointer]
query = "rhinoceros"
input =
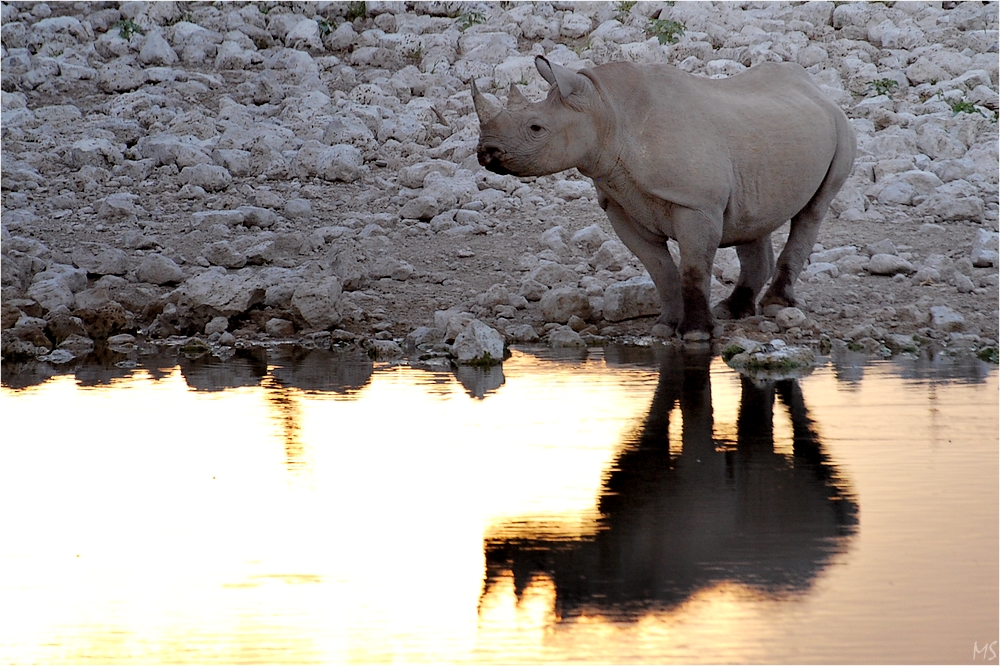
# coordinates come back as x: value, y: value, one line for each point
x: 709, y: 163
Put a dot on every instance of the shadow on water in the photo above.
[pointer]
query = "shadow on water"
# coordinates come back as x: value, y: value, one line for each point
x: 673, y: 524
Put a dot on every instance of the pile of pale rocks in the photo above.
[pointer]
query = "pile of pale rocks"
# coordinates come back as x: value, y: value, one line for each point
x: 199, y: 141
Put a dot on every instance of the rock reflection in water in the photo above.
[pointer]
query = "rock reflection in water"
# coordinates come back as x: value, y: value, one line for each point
x: 295, y: 371
x: 671, y: 525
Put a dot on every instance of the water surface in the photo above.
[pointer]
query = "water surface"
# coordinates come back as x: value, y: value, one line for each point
x: 630, y: 505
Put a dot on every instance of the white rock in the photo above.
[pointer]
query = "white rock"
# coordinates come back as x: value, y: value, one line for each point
x: 522, y: 333
x: 901, y: 188
x: 984, y: 249
x: 889, y: 264
x: 221, y: 253
x: 821, y: 270
x: 561, y: 303
x: 217, y: 325
x: 93, y: 151
x: 413, y: 176
x: 304, y: 35
x: 551, y: 274
x: 340, y: 162
x: 316, y: 302
x: 833, y: 254
x: 487, y: 47
x: 208, y: 176
x: 343, y: 37
x: 165, y: 149
x: 478, y: 343
x: 789, y: 318
x: 230, y: 55
x: 515, y: 69
x: 99, y: 259
x: 573, y: 189
x: 723, y: 68
x: 119, y: 76
x: 391, y: 267
x: 635, y: 297
x: 553, y: 239
x: 943, y: 318
x: 574, y: 25
x: 565, y: 337
x: 158, y: 269
x: 216, y: 293
x: 589, y: 239
x: 947, y: 204
x: 924, y: 70
x: 298, y: 209
x: 963, y: 284
x: 52, y: 293
x: 117, y: 205
x: 937, y: 144
x: 888, y: 35
x: 612, y: 256
x: 157, y: 51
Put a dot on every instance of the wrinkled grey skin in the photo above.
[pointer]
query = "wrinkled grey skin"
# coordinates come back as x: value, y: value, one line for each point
x: 707, y: 162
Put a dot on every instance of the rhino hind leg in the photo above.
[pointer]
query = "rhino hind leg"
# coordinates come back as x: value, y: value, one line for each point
x: 756, y: 266
x: 805, y: 224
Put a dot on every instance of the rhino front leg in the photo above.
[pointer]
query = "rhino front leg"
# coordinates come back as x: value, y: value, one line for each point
x: 698, y: 236
x: 652, y: 251
x: 756, y: 266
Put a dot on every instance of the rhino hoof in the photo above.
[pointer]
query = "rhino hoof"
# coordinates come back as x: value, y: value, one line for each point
x: 697, y: 336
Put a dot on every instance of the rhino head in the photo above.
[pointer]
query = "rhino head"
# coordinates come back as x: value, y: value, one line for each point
x: 537, y: 139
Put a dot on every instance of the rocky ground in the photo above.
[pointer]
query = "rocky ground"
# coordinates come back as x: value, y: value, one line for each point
x: 222, y: 175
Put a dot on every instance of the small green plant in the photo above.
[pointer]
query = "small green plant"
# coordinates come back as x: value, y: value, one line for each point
x: 623, y: 7
x: 732, y: 350
x: 415, y: 53
x: 356, y: 10
x: 127, y: 28
x: 666, y: 31
x: 882, y: 86
x: 990, y: 355
x: 960, y: 105
x: 324, y: 27
x: 468, y: 19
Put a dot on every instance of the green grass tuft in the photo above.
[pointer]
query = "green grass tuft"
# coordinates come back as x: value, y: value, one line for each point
x: 666, y: 31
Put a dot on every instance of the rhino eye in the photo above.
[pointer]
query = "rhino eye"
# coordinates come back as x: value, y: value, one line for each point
x: 536, y: 128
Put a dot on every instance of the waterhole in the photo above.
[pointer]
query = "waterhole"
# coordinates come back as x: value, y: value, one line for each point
x: 624, y: 505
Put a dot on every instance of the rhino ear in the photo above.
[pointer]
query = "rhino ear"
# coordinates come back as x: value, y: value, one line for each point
x: 568, y: 81
x: 515, y: 100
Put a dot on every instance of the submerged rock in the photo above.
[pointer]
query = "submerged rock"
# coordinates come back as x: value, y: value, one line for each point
x: 770, y: 360
x: 478, y: 344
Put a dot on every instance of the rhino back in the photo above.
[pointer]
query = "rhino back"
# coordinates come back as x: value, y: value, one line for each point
x: 755, y: 146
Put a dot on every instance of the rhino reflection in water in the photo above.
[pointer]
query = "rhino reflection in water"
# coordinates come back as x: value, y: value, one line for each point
x: 720, y: 511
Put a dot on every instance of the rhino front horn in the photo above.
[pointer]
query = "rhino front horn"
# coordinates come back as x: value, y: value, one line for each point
x: 485, y: 109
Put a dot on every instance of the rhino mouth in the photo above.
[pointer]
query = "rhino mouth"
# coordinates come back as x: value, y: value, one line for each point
x: 491, y: 158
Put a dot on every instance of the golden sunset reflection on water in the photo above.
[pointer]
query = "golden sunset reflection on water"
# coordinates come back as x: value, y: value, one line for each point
x: 405, y: 520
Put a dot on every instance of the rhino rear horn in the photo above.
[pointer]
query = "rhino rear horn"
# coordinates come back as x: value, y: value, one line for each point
x: 515, y: 100
x: 486, y: 109
x: 567, y: 80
